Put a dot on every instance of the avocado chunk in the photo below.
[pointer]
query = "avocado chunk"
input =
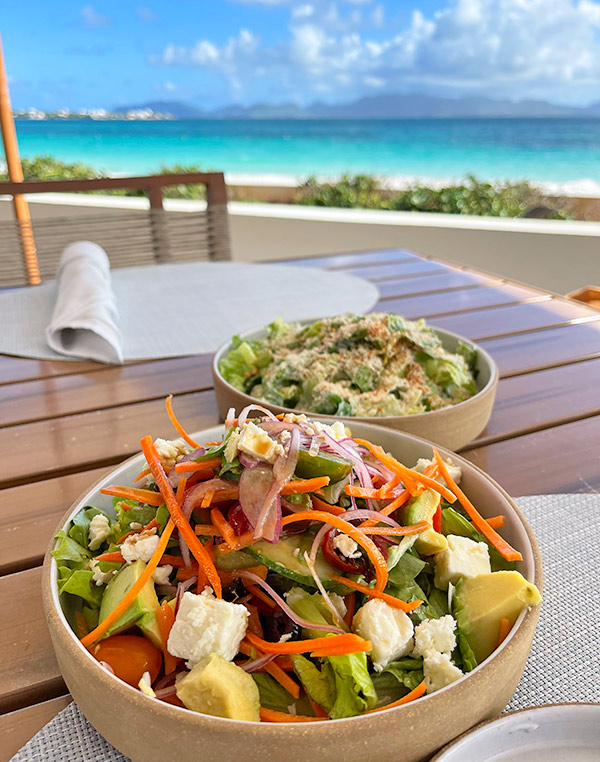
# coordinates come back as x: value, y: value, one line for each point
x: 422, y: 508
x: 287, y: 558
x: 146, y: 601
x: 323, y: 464
x: 149, y: 626
x: 479, y: 603
x: 220, y: 688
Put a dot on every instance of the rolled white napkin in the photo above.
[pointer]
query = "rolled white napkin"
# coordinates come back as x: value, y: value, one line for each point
x: 84, y: 321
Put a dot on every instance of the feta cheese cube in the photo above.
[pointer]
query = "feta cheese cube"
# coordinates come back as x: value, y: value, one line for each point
x: 161, y: 574
x: 205, y: 625
x: 346, y: 545
x: 454, y: 470
x: 255, y: 442
x: 231, y: 448
x: 99, y: 531
x: 336, y: 430
x: 439, y: 671
x: 98, y: 576
x: 462, y: 558
x: 140, y: 546
x: 170, y: 451
x: 389, y: 630
x: 435, y: 635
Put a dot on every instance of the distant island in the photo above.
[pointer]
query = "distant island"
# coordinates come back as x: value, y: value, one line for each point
x: 391, y: 106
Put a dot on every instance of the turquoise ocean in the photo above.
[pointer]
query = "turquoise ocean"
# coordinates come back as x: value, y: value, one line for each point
x: 544, y: 150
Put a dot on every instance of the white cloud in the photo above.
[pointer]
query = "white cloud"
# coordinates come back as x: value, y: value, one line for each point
x: 90, y: 17
x: 508, y: 48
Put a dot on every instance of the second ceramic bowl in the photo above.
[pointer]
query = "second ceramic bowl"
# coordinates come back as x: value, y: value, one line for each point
x: 451, y: 427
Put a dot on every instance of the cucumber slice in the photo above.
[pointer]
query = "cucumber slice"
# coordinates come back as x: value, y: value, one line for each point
x: 323, y: 464
x: 238, y: 559
x: 286, y: 558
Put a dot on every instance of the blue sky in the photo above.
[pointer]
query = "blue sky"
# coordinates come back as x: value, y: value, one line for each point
x: 209, y: 53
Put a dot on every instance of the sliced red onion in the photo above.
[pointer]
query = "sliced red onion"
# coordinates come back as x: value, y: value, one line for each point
x: 247, y: 461
x: 350, y: 454
x: 348, y: 516
x: 268, y: 524
x: 181, y: 588
x: 165, y: 681
x: 326, y: 599
x: 244, y: 414
x: 254, y: 666
x: 284, y: 606
x: 254, y: 486
x: 166, y: 589
x: 194, y: 495
x: 166, y: 692
x: 107, y: 667
x: 230, y: 419
x: 276, y: 427
x: 175, y: 477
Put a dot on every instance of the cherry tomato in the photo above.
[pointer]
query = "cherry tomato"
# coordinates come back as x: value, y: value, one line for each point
x: 129, y: 656
x: 237, y: 519
x: 349, y: 565
x: 437, y: 519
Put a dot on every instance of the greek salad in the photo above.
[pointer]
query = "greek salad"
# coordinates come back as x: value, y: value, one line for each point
x: 291, y: 572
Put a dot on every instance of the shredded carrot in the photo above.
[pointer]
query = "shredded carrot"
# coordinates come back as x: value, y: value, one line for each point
x: 389, y: 509
x: 350, y: 601
x: 165, y: 619
x: 203, y: 580
x: 132, y: 593
x: 414, y: 694
x: 286, y: 664
x: 505, y: 550
x: 270, y: 715
x: 496, y: 522
x: 190, y: 466
x: 421, y: 526
x: 187, y: 572
x: 318, y: 709
x: 351, y: 642
x: 373, y: 552
x: 214, y: 444
x: 503, y: 630
x: 321, y: 505
x: 177, y: 426
x: 146, y: 496
x: 275, y: 671
x: 224, y: 527
x: 187, y: 533
x: 149, y: 525
x: 305, y: 485
x: 242, y: 541
x: 255, y: 591
x: 374, y: 593
x: 410, y: 477
x: 180, y: 494
x: 208, y: 498
x: 207, y: 530
x: 114, y: 558
x: 342, y: 650
x: 141, y: 474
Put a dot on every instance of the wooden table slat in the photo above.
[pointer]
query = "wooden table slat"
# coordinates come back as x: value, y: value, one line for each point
x: 431, y: 283
x: 400, y: 270
x: 344, y: 261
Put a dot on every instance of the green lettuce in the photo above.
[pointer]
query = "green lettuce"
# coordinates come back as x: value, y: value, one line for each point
x: 354, y: 687
x: 272, y: 694
x: 406, y: 568
x: 79, y: 582
x: 469, y: 662
x: 318, y: 683
x: 397, y: 679
x: 80, y: 525
x: 240, y: 367
x: 454, y: 523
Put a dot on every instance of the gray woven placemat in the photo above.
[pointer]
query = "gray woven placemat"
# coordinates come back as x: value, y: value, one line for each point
x: 564, y: 664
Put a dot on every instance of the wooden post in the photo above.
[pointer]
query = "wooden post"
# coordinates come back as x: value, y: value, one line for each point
x: 158, y: 223
x: 15, y: 173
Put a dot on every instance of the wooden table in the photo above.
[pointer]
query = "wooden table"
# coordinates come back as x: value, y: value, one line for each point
x: 63, y: 424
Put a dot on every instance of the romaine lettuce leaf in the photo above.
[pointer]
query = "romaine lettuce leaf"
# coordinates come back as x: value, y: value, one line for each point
x: 318, y: 683
x: 69, y: 552
x: 406, y: 568
x: 79, y: 583
x: 80, y: 525
x: 240, y: 364
x: 272, y: 694
x: 454, y: 523
x: 397, y: 679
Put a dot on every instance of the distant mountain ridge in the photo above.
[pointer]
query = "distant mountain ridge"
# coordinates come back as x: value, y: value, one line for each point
x: 391, y: 106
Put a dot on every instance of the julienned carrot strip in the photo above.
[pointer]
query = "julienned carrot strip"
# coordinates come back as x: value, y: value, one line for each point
x: 270, y: 715
x: 410, y: 477
x: 146, y: 496
x: 203, y: 580
x: 503, y: 630
x: 177, y: 426
x: 496, y: 521
x: 421, y: 526
x: 505, y: 550
x: 208, y: 498
x: 373, y: 552
x: 114, y: 558
x: 190, y: 466
x: 141, y: 474
x: 389, y: 509
x: 305, y: 485
x: 274, y: 670
x: 256, y: 592
x: 132, y: 594
x: 321, y: 505
x: 414, y: 694
x: 223, y: 526
x: 351, y: 642
x: 318, y: 709
x: 350, y: 601
x: 207, y: 530
x: 374, y: 593
x: 242, y: 541
x: 165, y: 618
x: 197, y: 549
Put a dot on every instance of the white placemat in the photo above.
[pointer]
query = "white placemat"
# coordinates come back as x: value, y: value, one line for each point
x: 191, y: 308
x: 564, y: 664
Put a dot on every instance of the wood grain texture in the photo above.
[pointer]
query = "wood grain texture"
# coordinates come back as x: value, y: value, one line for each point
x: 563, y: 459
x: 354, y: 259
x: 551, y: 347
x: 13, y: 369
x: 458, y: 301
x: 16, y: 728
x: 28, y: 669
x: 99, y: 389
x: 30, y: 513
x: 398, y: 270
x: 104, y: 437
x: 432, y: 283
